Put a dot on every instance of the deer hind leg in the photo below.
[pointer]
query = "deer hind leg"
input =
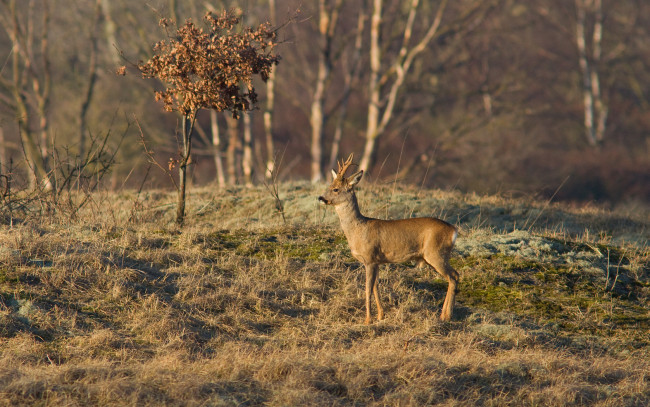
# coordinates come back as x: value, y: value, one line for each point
x: 442, y: 266
x: 372, y: 271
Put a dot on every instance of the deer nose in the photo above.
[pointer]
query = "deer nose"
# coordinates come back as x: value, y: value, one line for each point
x: 322, y: 200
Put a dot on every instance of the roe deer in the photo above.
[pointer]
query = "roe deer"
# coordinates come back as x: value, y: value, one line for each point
x: 375, y: 241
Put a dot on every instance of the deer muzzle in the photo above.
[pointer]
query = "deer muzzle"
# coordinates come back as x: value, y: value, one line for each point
x: 323, y: 200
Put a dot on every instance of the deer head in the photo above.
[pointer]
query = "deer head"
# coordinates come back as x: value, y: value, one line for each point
x: 341, y: 189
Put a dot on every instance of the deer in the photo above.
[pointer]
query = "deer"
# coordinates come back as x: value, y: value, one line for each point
x: 376, y: 241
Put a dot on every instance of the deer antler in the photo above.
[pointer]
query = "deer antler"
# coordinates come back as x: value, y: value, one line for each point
x: 344, y: 166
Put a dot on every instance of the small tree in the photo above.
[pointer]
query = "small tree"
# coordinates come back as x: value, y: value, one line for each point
x: 211, y: 69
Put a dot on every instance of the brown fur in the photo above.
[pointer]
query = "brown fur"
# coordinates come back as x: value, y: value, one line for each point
x: 376, y: 241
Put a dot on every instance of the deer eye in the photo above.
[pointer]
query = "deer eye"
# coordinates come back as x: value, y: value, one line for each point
x: 335, y: 190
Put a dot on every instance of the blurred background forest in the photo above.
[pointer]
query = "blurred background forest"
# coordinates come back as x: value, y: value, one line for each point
x: 539, y: 98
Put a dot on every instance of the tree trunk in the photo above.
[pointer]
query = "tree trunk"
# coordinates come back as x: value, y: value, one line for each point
x: 247, y: 159
x: 216, y: 145
x: 25, y: 71
x: 316, y: 141
x: 180, y: 205
x: 185, y: 159
x: 328, y: 17
x: 270, y: 106
x: 30, y: 149
x: 233, y: 149
x: 92, y: 79
x: 317, y: 117
x: 349, y: 79
x: 42, y: 88
x: 587, y: 97
x: 373, y: 88
x: 109, y: 29
x: 595, y: 112
x: 599, y: 106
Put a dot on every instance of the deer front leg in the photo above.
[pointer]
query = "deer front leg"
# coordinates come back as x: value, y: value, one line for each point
x: 380, y: 309
x: 371, y: 285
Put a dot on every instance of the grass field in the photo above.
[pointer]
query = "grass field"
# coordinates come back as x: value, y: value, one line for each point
x: 119, y: 307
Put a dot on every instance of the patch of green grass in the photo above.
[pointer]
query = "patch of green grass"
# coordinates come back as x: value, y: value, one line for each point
x: 549, y: 293
x: 307, y: 245
x: 493, y: 297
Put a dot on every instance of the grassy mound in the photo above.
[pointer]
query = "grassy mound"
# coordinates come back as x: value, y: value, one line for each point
x: 119, y: 307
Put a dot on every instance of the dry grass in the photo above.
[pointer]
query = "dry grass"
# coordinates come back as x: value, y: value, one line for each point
x: 120, y: 308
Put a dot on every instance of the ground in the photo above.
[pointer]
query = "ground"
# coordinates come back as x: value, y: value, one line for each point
x: 118, y: 306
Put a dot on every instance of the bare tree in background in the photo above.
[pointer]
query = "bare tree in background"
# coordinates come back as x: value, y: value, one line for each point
x: 216, y: 145
x: 269, y: 109
x: 380, y: 106
x: 247, y: 149
x: 90, y: 82
x: 31, y: 82
x: 513, y: 85
x: 351, y: 72
x: 233, y: 151
x: 110, y: 30
x: 328, y: 14
x: 595, y: 111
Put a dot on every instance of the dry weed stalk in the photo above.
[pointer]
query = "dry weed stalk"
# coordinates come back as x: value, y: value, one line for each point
x: 73, y: 179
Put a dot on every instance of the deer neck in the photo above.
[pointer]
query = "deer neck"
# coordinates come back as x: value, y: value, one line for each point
x: 350, y: 215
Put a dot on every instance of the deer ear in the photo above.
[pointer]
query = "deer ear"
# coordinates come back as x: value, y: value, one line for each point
x: 334, y: 175
x: 355, y: 178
